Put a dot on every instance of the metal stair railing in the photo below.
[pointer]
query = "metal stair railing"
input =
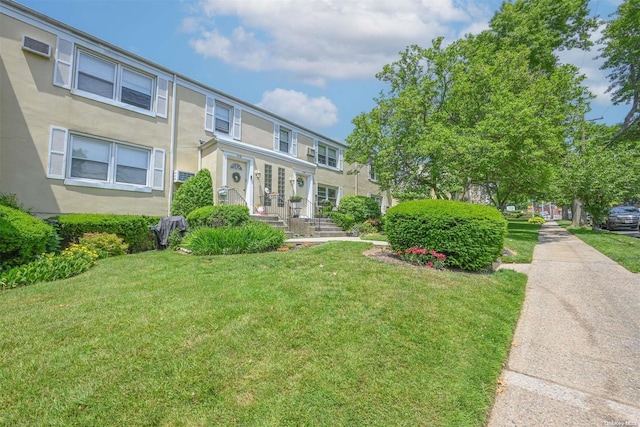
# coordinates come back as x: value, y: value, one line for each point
x: 274, y: 204
x: 230, y: 197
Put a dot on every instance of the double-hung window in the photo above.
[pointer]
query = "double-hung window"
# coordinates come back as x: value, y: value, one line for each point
x: 223, y: 117
x: 285, y: 139
x: 109, y: 162
x: 327, y: 193
x: 114, y: 81
x: 373, y: 176
x: 327, y: 156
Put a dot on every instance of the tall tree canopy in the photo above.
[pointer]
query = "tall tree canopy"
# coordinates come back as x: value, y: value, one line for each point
x: 486, y: 111
x: 621, y: 51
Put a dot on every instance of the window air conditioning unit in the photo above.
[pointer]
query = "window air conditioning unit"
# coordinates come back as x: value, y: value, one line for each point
x: 311, y: 152
x: 35, y: 46
x: 182, y: 176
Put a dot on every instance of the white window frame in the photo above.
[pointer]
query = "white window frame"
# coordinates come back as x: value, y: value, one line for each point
x: 61, y: 161
x: 212, y: 105
x: 229, y: 119
x: 116, y: 97
x: 293, y: 140
x: 339, y: 159
x: 326, y: 194
x: 371, y: 173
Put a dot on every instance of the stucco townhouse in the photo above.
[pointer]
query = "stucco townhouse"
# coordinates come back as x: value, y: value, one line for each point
x: 86, y: 126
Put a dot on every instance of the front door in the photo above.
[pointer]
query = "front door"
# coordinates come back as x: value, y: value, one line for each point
x: 303, y: 189
x: 237, y: 177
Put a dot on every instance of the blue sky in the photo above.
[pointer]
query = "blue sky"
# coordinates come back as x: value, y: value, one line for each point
x: 311, y: 61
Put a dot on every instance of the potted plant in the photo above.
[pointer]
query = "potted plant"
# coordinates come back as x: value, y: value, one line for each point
x: 295, y: 198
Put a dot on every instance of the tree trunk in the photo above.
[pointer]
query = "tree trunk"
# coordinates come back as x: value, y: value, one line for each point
x: 576, y: 210
x: 565, y: 213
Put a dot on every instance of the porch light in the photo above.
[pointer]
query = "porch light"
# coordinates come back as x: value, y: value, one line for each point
x: 256, y: 173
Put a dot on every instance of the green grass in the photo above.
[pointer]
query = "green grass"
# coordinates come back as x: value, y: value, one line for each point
x: 374, y: 237
x: 625, y: 250
x: 318, y: 336
x: 521, y: 238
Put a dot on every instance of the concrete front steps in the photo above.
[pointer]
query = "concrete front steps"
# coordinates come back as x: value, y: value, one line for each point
x: 320, y: 227
x: 275, y: 222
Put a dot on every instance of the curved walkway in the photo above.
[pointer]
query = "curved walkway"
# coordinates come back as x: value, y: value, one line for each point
x: 575, y: 358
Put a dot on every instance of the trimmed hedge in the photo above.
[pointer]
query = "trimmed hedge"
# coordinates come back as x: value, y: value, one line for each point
x: 23, y: 237
x: 471, y: 236
x: 194, y: 193
x: 218, y: 216
x: 361, y: 208
x: 132, y: 229
x: 342, y: 220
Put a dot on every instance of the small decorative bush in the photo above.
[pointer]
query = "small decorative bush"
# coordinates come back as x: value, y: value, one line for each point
x: 132, y: 229
x: 10, y: 200
x: 175, y: 239
x: 70, y: 262
x: 23, y: 237
x: 536, y: 220
x: 104, y: 244
x: 343, y: 221
x: 252, y: 237
x: 218, y: 216
x: 361, y: 208
x: 420, y: 256
x: 194, y: 193
x: 471, y: 236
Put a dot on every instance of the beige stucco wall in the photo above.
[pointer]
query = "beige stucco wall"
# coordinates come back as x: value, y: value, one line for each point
x: 189, y: 128
x: 31, y: 104
x: 257, y: 130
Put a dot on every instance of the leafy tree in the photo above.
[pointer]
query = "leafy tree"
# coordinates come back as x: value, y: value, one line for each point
x: 194, y: 193
x: 486, y: 111
x: 621, y: 51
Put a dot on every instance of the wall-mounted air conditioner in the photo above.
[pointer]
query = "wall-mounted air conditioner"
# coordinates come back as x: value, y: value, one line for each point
x: 311, y: 152
x: 36, y: 46
x: 181, y: 176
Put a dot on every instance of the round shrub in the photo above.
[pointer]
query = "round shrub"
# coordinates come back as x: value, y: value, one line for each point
x: 471, y: 236
x: 23, y: 237
x: 194, y: 193
x: 252, y: 237
x: 344, y: 221
x: 536, y: 220
x: 104, y: 244
x: 218, y: 216
x: 361, y: 208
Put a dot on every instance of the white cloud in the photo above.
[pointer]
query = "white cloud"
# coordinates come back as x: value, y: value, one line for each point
x: 299, y: 107
x: 326, y: 39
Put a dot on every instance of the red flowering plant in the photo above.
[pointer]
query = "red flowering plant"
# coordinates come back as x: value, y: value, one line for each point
x: 420, y: 256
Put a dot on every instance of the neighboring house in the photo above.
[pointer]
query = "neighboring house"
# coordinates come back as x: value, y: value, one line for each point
x: 86, y: 126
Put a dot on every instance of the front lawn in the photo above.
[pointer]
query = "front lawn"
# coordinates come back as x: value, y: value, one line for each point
x: 521, y: 239
x: 316, y: 336
x: 625, y: 250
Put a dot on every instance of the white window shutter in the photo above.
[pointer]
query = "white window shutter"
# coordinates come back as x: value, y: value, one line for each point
x: 64, y: 63
x: 315, y: 150
x: 58, y: 137
x: 341, y: 159
x: 162, y: 97
x: 237, y: 123
x: 294, y: 144
x: 158, y: 169
x: 208, y: 114
x: 276, y: 137
x: 339, y: 196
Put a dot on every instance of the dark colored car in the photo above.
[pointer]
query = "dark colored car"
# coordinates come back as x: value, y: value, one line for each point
x: 622, y: 217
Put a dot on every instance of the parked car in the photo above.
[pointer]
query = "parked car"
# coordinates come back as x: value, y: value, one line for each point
x: 622, y: 217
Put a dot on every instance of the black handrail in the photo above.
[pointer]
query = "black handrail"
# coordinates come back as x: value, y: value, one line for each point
x: 230, y: 196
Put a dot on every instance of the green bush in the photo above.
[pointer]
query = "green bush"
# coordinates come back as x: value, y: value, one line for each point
x: 104, y: 244
x: 194, y: 193
x: 218, y: 216
x: 343, y: 221
x: 252, y: 237
x: 132, y: 229
x: 174, y: 241
x: 70, y: 262
x: 471, y: 236
x: 10, y: 200
x: 361, y: 208
x: 23, y: 237
x: 536, y: 220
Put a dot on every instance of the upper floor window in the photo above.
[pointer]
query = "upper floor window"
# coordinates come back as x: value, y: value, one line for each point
x: 223, y: 115
x: 372, y: 173
x: 110, y: 81
x: 285, y: 140
x: 113, y: 81
x: 327, y: 156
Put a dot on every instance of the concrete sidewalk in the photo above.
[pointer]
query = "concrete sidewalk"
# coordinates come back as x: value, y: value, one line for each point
x: 328, y: 239
x: 575, y: 358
